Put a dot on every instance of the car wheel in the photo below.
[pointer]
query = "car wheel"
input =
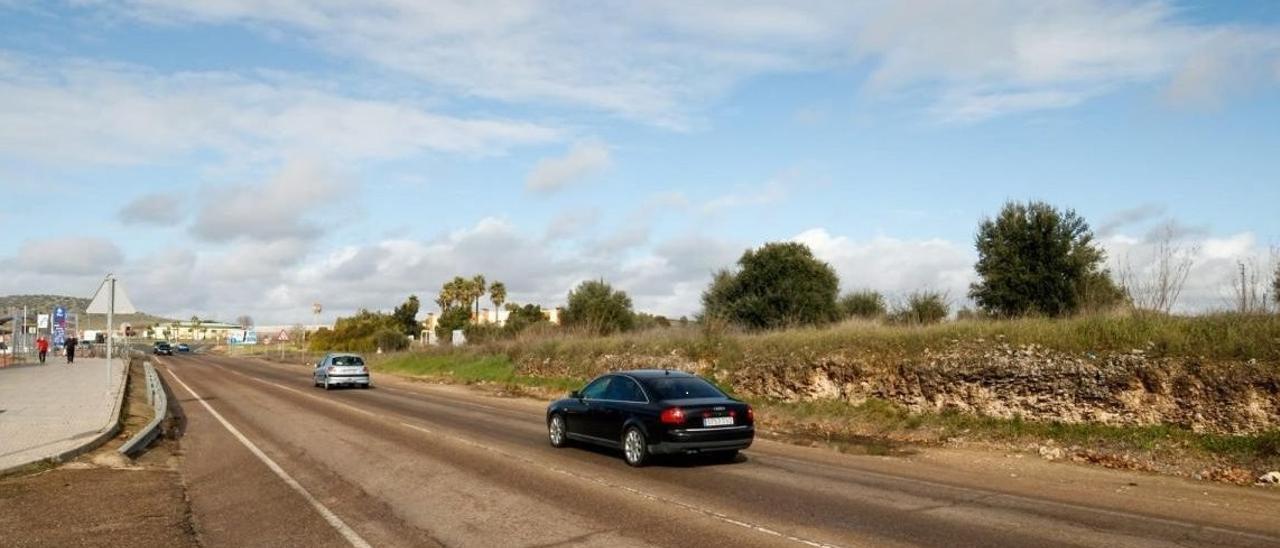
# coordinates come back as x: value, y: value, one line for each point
x: 634, y: 447
x: 557, y: 432
x: 725, y: 456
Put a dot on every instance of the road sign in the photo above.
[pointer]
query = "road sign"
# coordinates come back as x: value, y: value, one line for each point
x: 102, y: 299
x: 42, y: 321
x: 283, y: 336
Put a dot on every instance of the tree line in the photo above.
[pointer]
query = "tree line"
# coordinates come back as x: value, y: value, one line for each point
x: 1033, y: 260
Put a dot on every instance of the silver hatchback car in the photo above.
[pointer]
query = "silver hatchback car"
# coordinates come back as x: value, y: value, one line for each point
x: 341, y: 370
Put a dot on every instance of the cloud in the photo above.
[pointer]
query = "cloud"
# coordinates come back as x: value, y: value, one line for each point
x: 153, y: 209
x: 583, y: 160
x: 71, y: 110
x: 1131, y: 216
x: 69, y: 256
x: 769, y: 193
x: 572, y: 223
x: 659, y: 62
x: 895, y: 266
x: 1215, y: 264
x: 282, y: 207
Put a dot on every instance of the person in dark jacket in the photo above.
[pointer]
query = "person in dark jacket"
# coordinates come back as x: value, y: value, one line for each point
x: 71, y: 349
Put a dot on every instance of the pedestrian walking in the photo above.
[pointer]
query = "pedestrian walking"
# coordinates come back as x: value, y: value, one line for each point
x: 42, y: 347
x: 71, y: 349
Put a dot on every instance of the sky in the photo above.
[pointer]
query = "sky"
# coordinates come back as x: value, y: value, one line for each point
x: 230, y: 157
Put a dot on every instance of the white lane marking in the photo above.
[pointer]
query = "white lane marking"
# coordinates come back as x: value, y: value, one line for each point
x: 863, y: 471
x: 346, y: 531
x: 631, y: 490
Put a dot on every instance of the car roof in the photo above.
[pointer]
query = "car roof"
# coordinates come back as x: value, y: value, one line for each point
x: 653, y: 373
x: 343, y: 355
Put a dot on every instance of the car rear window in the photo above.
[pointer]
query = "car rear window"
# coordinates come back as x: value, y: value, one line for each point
x: 679, y: 388
x: 348, y: 360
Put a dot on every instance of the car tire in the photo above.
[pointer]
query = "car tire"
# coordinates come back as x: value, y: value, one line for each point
x: 558, y: 431
x: 725, y: 456
x: 635, y: 449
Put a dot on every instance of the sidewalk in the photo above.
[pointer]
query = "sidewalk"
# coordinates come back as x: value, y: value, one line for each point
x: 55, y: 410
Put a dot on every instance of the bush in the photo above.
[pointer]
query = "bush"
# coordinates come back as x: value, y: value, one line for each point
x: 922, y: 308
x: 523, y: 317
x: 1035, y: 259
x: 777, y: 285
x: 358, y: 333
x: 391, y: 340
x: 863, y: 304
x: 484, y: 333
x: 454, y: 317
x: 595, y: 307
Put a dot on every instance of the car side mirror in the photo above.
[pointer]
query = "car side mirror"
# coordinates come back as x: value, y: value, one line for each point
x: 576, y: 394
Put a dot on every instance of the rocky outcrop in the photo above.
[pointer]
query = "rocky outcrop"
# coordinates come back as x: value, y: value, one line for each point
x: 999, y: 380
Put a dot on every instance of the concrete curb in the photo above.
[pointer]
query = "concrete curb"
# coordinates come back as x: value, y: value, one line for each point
x: 109, y: 430
x: 160, y: 408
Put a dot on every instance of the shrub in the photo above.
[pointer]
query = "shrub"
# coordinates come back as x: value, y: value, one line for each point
x: 595, y: 307
x: 390, y: 339
x: 778, y: 285
x: 520, y: 318
x: 863, y: 304
x: 922, y: 308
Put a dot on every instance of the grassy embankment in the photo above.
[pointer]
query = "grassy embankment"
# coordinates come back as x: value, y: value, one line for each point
x: 547, y: 363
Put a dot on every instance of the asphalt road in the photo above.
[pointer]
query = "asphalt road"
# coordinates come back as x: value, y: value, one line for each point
x: 271, y: 461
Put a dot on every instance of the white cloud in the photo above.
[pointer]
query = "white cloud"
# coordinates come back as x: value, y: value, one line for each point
x: 895, y: 266
x: 65, y: 110
x: 583, y: 160
x: 1215, y: 264
x: 659, y: 62
x: 283, y: 207
x: 769, y: 193
x: 154, y: 209
x: 69, y: 256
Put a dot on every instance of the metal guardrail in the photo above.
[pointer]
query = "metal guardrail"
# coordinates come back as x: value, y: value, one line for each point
x: 159, y: 402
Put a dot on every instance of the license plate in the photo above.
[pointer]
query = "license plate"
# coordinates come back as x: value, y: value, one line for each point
x: 717, y: 421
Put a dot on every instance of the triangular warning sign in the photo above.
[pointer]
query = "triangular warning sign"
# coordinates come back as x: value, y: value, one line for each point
x: 102, y: 300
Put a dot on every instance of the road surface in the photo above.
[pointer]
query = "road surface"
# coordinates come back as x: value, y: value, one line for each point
x: 269, y: 460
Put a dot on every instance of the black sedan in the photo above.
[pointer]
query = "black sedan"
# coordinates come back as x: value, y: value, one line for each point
x: 649, y: 412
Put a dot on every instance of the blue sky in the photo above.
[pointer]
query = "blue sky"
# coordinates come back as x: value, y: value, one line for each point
x: 233, y: 157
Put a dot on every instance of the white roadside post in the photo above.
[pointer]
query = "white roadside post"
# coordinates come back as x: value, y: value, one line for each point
x: 109, y: 302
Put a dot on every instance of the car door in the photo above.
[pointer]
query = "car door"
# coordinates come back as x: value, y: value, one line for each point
x: 619, y: 402
x: 318, y: 372
x: 587, y: 420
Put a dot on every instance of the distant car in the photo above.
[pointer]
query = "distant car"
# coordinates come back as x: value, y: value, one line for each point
x: 182, y: 347
x: 340, y: 370
x: 162, y: 348
x: 650, y: 412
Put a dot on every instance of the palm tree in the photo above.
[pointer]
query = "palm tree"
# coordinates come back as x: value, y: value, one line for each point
x: 497, y: 294
x: 478, y: 286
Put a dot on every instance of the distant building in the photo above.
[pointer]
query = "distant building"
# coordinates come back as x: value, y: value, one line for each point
x: 194, y: 331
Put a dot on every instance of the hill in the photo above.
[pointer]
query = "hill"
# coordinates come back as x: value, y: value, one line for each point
x: 37, y: 304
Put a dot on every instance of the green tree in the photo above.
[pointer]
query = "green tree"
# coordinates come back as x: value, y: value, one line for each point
x: 406, y: 316
x: 595, y: 306
x: 1035, y: 259
x: 498, y: 295
x: 780, y: 284
x: 454, y: 317
x: 520, y: 318
x: 863, y: 304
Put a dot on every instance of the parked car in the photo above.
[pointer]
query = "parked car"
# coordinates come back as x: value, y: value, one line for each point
x: 162, y: 348
x: 183, y: 348
x: 341, y: 370
x: 649, y: 412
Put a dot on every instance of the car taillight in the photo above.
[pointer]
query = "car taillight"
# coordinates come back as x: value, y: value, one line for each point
x: 672, y: 415
x: 329, y: 369
x: 751, y: 414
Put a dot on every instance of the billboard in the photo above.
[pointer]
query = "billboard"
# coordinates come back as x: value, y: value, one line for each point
x: 59, y: 326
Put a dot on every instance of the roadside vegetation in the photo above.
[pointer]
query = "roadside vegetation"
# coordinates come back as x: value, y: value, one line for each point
x: 1041, y: 285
